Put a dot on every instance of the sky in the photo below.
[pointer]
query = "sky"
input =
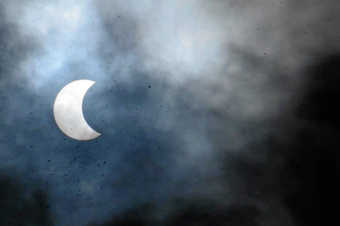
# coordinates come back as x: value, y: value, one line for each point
x: 210, y: 112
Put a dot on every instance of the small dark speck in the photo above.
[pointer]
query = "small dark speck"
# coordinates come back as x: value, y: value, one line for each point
x: 149, y: 87
x: 48, y: 160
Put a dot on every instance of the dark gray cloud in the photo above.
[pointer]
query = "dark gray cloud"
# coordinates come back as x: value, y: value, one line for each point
x: 23, y: 203
x: 187, y: 213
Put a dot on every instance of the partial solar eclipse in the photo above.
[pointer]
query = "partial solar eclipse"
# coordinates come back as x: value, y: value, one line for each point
x: 68, y: 111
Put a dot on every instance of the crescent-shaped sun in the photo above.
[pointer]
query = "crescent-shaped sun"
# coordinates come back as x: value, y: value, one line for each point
x: 68, y: 111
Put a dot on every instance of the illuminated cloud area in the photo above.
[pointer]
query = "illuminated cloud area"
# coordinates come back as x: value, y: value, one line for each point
x: 195, y: 101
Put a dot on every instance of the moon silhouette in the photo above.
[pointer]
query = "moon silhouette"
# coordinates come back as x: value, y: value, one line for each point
x: 68, y: 111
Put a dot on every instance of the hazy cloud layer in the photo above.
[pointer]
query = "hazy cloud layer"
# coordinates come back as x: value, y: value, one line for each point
x: 195, y: 100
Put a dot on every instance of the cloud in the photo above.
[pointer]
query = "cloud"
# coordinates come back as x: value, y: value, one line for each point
x: 23, y: 203
x: 239, y: 125
x: 203, y: 100
x: 283, y: 180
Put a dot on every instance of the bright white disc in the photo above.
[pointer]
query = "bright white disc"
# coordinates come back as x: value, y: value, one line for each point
x: 68, y: 111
